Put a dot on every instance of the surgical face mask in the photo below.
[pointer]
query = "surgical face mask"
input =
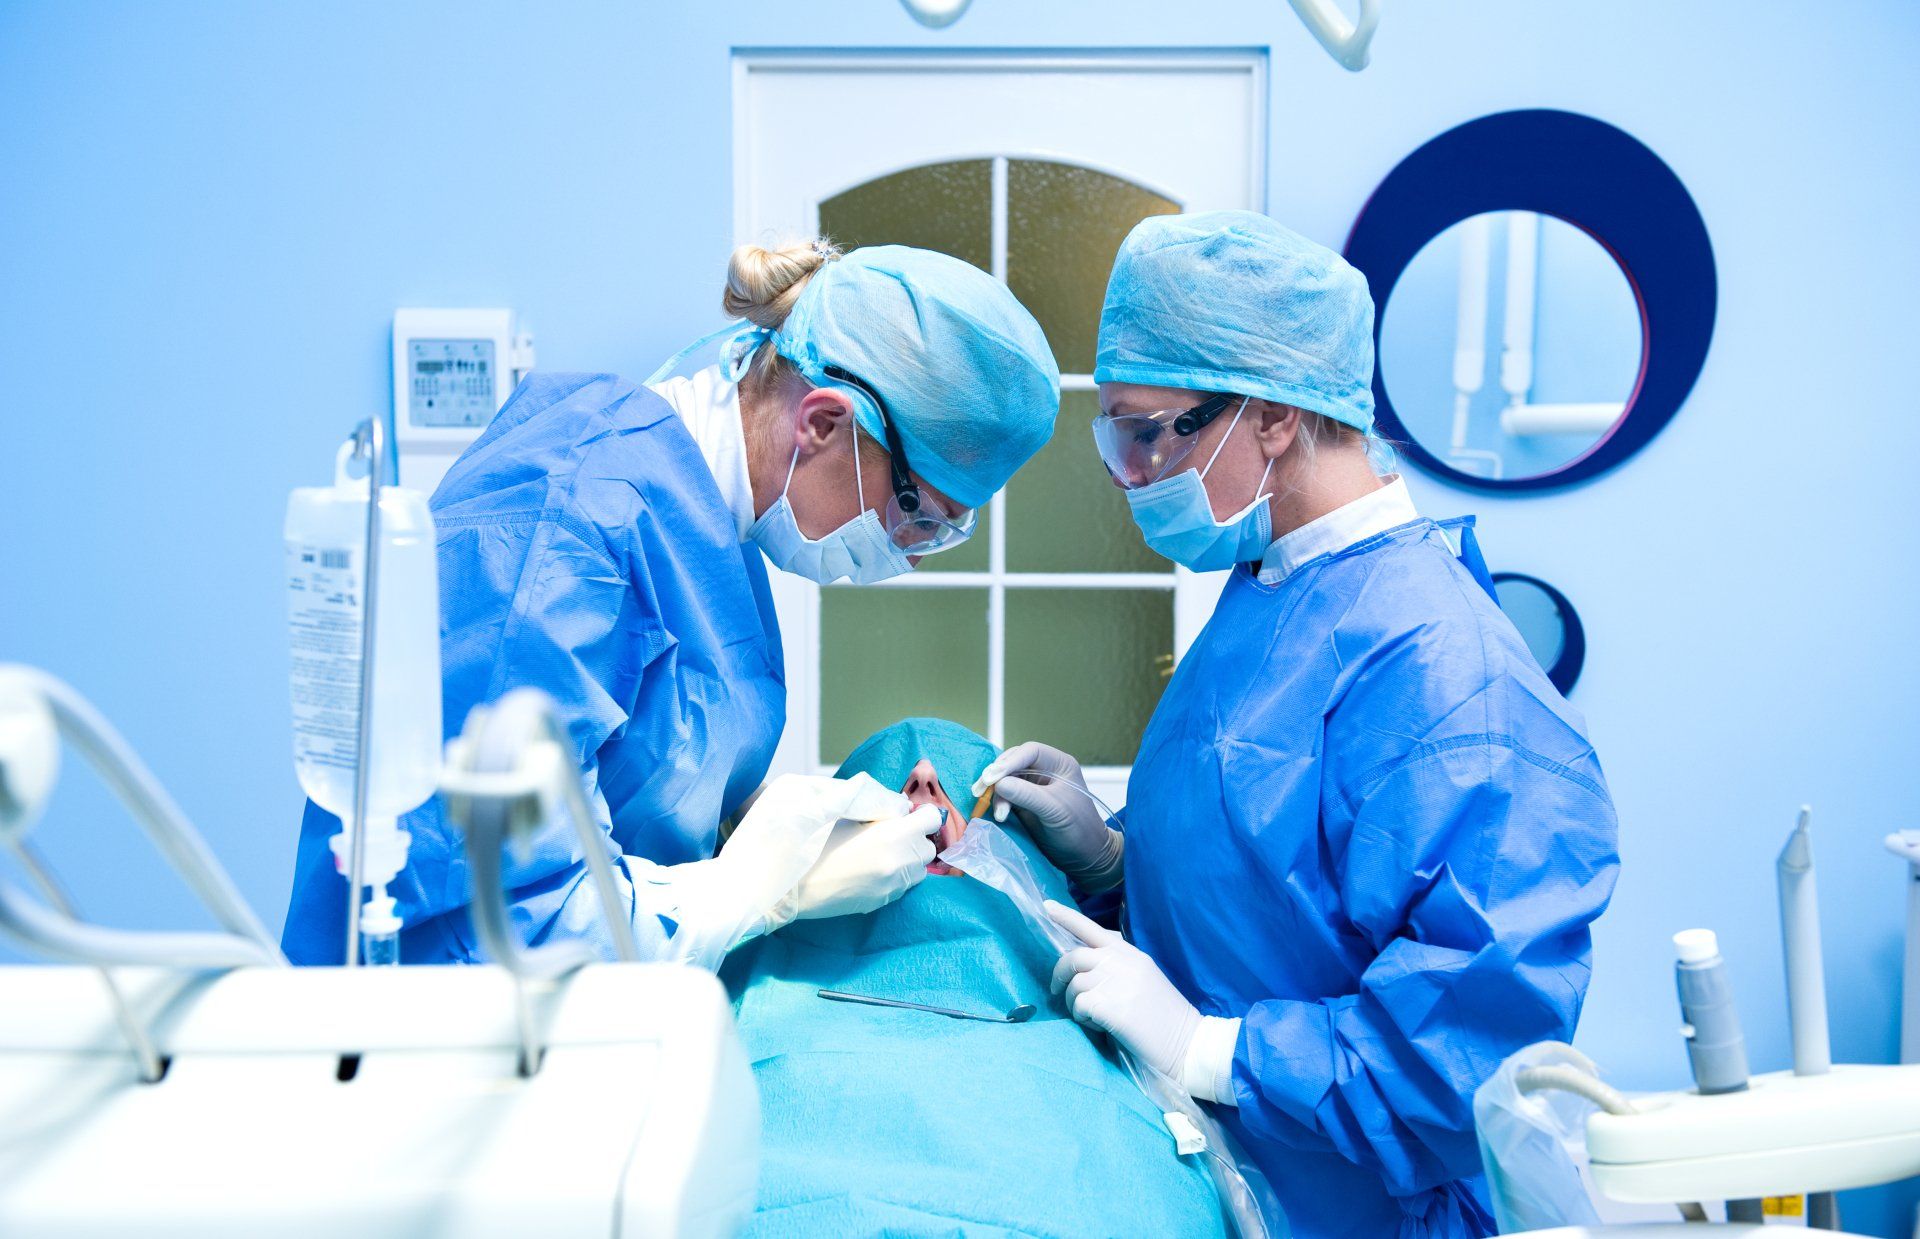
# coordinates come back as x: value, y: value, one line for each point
x: 859, y: 551
x: 1176, y: 517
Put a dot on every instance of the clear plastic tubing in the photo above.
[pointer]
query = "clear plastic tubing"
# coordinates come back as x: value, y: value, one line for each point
x: 380, y: 948
x: 326, y: 533
x: 1715, y: 1047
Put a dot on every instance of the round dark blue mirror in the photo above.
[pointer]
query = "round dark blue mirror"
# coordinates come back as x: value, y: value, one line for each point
x: 1545, y: 296
x: 1547, y: 623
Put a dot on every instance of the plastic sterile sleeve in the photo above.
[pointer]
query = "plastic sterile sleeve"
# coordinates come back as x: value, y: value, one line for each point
x: 1534, y: 1144
x: 987, y: 854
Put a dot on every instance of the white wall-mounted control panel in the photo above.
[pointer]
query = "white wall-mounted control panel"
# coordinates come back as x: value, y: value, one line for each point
x: 452, y: 370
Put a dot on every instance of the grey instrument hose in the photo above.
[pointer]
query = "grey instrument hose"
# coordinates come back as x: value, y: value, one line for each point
x: 135, y: 787
x: 56, y: 936
x: 493, y: 743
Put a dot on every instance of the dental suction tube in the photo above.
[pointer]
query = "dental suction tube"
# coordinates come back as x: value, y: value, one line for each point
x: 1715, y: 1047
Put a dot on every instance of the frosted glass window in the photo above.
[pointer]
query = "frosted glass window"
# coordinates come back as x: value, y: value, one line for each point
x: 940, y: 206
x: 973, y: 555
x: 888, y: 654
x: 1064, y: 225
x: 1085, y: 668
x: 1064, y: 512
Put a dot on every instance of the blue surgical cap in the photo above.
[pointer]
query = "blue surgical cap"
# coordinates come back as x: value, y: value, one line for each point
x: 964, y: 369
x: 890, y: 754
x: 1229, y: 301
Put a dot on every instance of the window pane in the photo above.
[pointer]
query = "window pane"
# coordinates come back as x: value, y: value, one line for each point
x: 1064, y: 514
x: 890, y: 653
x: 1064, y: 225
x: 942, y: 206
x: 970, y: 556
x: 1085, y: 668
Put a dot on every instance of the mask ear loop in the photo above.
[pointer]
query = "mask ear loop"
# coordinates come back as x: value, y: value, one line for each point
x: 859, y: 483
x: 1223, y: 439
x: 1257, y: 495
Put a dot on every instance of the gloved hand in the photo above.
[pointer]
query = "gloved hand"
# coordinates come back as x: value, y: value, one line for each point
x: 1058, y: 810
x: 866, y: 865
x: 1113, y: 985
x: 762, y: 878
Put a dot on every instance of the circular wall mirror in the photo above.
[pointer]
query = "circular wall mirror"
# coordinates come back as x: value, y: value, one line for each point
x: 1511, y: 345
x: 1547, y: 623
x: 1560, y: 298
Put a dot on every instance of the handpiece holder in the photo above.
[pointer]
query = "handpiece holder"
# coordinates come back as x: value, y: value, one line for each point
x: 509, y: 773
x: 36, y: 712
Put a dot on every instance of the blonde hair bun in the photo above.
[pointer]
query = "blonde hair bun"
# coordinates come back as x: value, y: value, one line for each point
x: 763, y: 284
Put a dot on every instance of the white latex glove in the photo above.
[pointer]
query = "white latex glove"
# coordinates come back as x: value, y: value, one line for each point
x: 866, y: 865
x: 751, y: 886
x: 1066, y: 825
x: 1113, y: 985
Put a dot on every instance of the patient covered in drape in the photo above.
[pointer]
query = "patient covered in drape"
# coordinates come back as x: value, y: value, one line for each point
x: 884, y: 1121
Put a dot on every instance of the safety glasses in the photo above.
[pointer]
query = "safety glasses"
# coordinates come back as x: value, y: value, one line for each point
x: 914, y: 521
x: 1141, y: 448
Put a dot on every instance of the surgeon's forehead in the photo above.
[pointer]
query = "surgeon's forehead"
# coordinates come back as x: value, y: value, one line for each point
x: 1120, y: 398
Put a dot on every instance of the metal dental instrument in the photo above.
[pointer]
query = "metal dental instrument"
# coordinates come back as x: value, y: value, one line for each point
x: 1019, y: 1015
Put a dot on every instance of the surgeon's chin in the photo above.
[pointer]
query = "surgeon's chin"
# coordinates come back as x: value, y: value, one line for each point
x: 923, y: 787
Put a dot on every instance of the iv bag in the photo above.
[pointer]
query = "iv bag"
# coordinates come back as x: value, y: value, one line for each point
x: 326, y: 542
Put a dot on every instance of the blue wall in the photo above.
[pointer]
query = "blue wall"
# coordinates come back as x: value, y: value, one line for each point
x: 208, y: 212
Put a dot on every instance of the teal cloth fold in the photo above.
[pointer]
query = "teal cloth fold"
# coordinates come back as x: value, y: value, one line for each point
x: 879, y: 1121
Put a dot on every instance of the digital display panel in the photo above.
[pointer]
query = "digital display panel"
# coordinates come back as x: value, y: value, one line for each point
x: 450, y: 382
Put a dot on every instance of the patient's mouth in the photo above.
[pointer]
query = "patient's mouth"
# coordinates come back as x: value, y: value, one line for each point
x: 923, y: 787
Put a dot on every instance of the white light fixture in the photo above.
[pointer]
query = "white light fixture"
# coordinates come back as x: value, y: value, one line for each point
x: 1346, y: 39
x: 935, y: 13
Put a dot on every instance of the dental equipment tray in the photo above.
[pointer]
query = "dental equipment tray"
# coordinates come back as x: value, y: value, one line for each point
x: 1852, y: 1127
x: 374, y: 1102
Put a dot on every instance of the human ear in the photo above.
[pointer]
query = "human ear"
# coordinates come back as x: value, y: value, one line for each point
x: 1276, y: 426
x: 821, y: 415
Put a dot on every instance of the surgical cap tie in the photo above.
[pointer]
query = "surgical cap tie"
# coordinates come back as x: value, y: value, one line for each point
x: 739, y: 341
x: 739, y: 349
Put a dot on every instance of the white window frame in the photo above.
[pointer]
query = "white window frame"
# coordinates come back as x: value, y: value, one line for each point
x: 1194, y: 594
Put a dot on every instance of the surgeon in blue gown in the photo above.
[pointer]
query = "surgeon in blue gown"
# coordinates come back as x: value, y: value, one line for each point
x: 1365, y: 838
x: 604, y: 542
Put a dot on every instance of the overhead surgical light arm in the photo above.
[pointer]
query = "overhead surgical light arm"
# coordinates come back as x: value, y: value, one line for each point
x: 1470, y: 339
x: 1348, y: 40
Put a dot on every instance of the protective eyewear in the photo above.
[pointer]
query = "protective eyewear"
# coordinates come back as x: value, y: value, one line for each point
x: 913, y: 520
x: 1141, y: 448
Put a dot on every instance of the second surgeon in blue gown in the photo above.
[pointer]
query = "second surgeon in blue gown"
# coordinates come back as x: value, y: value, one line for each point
x: 603, y: 541
x: 1365, y: 838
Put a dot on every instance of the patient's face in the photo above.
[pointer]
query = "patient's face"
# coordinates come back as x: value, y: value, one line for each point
x: 923, y: 787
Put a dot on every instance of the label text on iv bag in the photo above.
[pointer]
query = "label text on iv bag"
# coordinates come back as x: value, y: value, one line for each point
x: 323, y: 612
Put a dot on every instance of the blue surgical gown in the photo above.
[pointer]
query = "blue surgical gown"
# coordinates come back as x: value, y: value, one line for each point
x: 584, y: 549
x: 1364, y: 822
